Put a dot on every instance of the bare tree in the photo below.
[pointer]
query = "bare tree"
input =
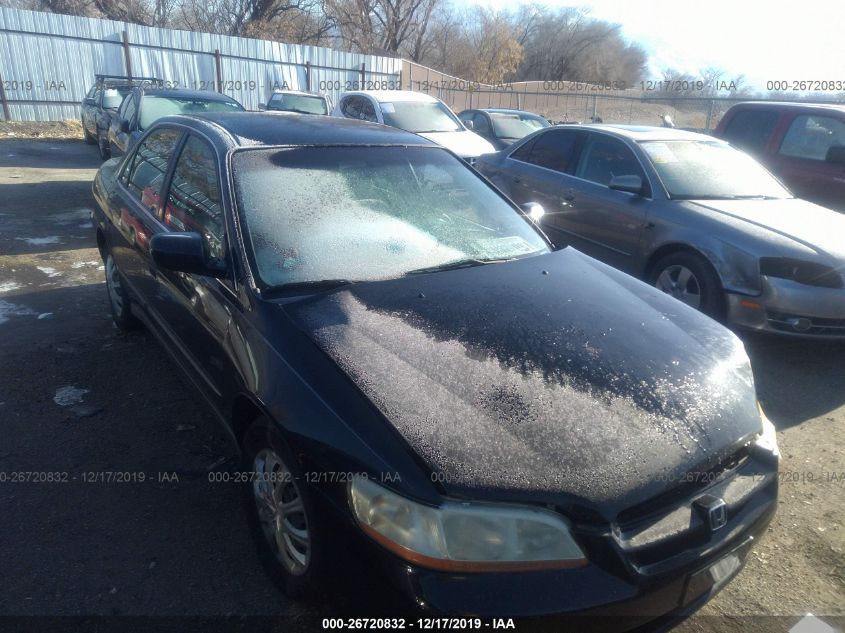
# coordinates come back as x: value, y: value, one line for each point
x: 296, y: 21
x: 385, y: 25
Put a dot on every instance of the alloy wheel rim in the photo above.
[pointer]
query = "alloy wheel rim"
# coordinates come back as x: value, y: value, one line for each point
x: 680, y: 282
x: 113, y: 284
x: 281, y: 511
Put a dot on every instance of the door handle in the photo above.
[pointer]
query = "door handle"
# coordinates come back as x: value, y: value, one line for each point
x: 517, y: 179
x: 569, y: 195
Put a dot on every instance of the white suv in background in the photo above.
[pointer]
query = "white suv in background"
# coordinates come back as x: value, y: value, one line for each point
x: 414, y: 112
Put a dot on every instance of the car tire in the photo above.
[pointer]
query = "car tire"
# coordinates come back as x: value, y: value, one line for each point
x: 689, y: 277
x: 121, y: 306
x: 103, y: 146
x: 293, y: 544
x: 89, y: 138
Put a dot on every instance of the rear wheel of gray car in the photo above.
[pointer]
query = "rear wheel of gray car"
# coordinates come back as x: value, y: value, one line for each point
x: 290, y: 533
x: 121, y: 307
x: 89, y: 138
x: 103, y: 146
x: 691, y: 279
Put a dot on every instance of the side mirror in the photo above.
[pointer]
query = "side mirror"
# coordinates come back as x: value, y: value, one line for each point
x: 124, y: 126
x: 469, y: 125
x: 261, y: 107
x: 629, y: 184
x: 835, y: 155
x: 90, y: 102
x: 533, y: 210
x: 184, y: 252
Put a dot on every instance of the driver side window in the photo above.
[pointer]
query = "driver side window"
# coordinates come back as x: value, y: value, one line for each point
x: 194, y: 202
x: 603, y: 158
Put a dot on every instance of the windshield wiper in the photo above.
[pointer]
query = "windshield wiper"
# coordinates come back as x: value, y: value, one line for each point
x: 459, y: 263
x: 752, y: 196
x: 297, y: 110
x: 737, y: 197
x: 316, y: 285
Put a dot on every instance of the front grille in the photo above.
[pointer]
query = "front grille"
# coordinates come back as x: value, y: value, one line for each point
x: 798, y: 324
x: 670, y: 531
x: 657, y: 505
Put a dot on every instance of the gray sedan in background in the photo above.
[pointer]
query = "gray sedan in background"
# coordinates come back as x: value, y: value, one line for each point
x: 689, y: 214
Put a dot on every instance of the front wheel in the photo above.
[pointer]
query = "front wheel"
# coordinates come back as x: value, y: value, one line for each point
x: 290, y: 533
x: 121, y: 306
x: 89, y: 138
x: 103, y: 146
x: 691, y: 279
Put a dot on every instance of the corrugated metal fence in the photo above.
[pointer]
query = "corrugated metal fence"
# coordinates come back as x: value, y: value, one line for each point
x: 48, y: 62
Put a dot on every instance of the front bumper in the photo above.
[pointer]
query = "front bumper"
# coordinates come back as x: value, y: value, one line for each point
x: 641, y: 573
x: 788, y: 308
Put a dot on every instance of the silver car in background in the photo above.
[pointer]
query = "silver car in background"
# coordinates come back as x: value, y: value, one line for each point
x: 689, y: 214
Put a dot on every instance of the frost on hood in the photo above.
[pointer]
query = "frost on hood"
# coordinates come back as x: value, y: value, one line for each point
x: 526, y: 414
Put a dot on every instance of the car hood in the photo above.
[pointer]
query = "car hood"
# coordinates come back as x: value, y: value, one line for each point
x: 553, y: 378
x: 811, y: 225
x: 464, y: 143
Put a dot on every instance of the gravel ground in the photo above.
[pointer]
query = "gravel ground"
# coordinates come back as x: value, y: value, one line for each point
x: 78, y: 397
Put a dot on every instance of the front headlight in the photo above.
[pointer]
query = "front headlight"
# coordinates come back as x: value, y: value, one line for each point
x: 808, y: 273
x: 768, y: 439
x: 464, y: 536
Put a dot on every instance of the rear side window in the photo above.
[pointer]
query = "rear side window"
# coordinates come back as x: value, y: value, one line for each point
x: 555, y: 149
x: 604, y: 158
x: 358, y: 108
x: 144, y: 172
x: 750, y: 130
x: 524, y: 151
x: 811, y: 136
x: 480, y: 123
x: 129, y: 109
x: 193, y: 202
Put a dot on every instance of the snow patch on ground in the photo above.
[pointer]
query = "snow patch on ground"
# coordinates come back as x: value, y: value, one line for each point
x: 91, y: 264
x: 39, y: 241
x: 8, y: 310
x: 50, y: 272
x: 68, y: 395
x: 8, y: 286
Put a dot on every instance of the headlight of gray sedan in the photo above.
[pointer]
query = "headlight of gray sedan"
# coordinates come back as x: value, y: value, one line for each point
x: 803, y: 272
x: 464, y: 537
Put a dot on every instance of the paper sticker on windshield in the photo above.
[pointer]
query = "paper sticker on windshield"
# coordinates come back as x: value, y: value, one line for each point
x: 660, y: 153
x: 388, y: 108
x: 506, y: 247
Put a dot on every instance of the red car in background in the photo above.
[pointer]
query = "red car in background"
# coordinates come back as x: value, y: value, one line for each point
x: 802, y: 144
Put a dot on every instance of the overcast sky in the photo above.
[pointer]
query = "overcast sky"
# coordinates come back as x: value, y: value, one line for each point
x: 765, y: 41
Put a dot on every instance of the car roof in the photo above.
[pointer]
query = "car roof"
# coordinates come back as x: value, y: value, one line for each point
x: 289, y: 128
x: 205, y: 95
x: 393, y: 96
x: 789, y: 105
x: 643, y: 132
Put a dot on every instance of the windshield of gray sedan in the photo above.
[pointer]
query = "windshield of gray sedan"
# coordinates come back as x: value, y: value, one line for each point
x: 513, y: 127
x: 693, y: 170
x: 367, y: 213
x: 155, y: 107
x: 304, y: 104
